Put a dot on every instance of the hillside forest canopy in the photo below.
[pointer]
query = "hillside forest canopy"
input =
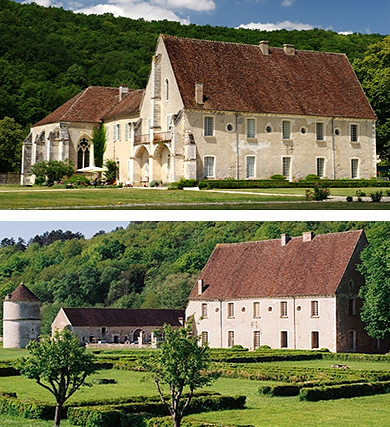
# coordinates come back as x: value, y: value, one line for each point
x: 48, y: 55
x: 146, y: 264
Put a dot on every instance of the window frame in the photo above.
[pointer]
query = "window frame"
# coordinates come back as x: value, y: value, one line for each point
x: 231, y: 338
x: 288, y: 175
x: 354, y: 168
x: 206, y: 127
x: 283, y: 309
x: 206, y: 175
x: 314, y: 308
x: 256, y: 339
x: 354, y: 133
x: 204, y: 337
x: 256, y: 309
x: 352, y: 306
x: 286, y: 137
x: 315, y: 340
x: 204, y: 309
x: 247, y: 166
x: 320, y: 131
x: 249, y: 134
x: 318, y: 168
x: 283, y: 339
x: 230, y: 310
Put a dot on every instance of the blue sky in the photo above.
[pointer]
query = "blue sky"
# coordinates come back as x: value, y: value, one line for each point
x: 342, y: 16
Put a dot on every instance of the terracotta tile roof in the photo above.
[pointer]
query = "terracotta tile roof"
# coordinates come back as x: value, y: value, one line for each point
x: 21, y: 293
x: 268, y: 269
x: 131, y: 103
x: 123, y: 317
x: 89, y: 106
x: 238, y: 77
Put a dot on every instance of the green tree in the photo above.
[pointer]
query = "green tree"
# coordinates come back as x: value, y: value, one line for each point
x: 99, y: 144
x: 179, y: 363
x: 48, y: 172
x: 112, y: 169
x: 59, y: 365
x: 375, y: 293
x: 11, y: 140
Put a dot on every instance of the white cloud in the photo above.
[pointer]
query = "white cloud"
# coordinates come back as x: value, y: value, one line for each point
x: 345, y: 33
x: 287, y: 2
x: 197, y: 5
x: 287, y: 25
x: 46, y: 3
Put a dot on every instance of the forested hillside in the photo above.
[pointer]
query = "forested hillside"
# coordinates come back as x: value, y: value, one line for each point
x: 47, y: 55
x: 148, y: 264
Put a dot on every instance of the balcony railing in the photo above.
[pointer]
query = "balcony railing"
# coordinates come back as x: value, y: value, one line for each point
x: 158, y: 137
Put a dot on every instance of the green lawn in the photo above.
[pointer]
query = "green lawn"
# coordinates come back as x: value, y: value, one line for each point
x: 16, y: 197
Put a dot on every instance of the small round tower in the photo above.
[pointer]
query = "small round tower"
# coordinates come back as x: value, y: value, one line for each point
x: 21, y: 318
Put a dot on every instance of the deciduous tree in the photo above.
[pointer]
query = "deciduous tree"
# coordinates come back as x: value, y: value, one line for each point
x: 59, y: 365
x: 180, y: 363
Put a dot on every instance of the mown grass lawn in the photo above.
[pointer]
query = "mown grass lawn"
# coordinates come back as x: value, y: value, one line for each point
x: 16, y: 197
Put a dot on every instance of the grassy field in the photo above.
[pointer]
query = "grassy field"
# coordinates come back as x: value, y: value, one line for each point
x: 261, y: 411
x: 16, y: 197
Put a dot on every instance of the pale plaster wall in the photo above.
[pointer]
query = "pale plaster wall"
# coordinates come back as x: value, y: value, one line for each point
x: 299, y: 323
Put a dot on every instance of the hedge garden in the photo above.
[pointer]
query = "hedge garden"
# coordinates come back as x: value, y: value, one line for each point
x: 308, y: 375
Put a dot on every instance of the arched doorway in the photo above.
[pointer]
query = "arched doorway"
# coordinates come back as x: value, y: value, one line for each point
x: 162, y: 157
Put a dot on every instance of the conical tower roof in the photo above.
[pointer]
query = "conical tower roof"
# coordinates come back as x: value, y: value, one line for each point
x: 21, y: 293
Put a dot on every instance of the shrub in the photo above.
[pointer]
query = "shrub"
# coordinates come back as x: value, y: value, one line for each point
x: 78, y: 180
x: 280, y: 390
x: 50, y: 171
x: 377, y: 196
x: 26, y: 408
x: 278, y: 177
x: 238, y: 347
x: 360, y: 193
x: 318, y: 193
x: 349, y: 198
x: 188, y: 182
x: 155, y: 183
x: 174, y: 186
x: 104, y: 381
x: 312, y: 177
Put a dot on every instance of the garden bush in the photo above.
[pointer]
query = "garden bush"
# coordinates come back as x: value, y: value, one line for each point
x: 376, y: 196
x: 26, y: 408
x: 343, y: 391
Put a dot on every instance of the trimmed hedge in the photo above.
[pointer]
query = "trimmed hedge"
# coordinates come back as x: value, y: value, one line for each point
x: 344, y: 391
x: 98, y: 416
x: 26, y: 408
x: 269, y: 183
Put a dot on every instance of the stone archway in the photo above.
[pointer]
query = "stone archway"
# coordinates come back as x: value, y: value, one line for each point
x: 83, y: 153
x: 161, y: 163
x: 141, y: 166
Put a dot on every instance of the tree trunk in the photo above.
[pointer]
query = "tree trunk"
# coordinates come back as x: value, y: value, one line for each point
x: 57, y: 415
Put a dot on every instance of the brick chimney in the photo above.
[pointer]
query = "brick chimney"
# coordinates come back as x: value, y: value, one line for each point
x: 289, y: 49
x: 308, y: 236
x: 199, y: 93
x: 264, y: 47
x: 200, y: 287
x: 285, y: 238
x: 123, y: 91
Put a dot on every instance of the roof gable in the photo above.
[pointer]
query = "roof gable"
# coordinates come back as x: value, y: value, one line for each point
x: 269, y: 269
x: 93, y: 104
x: 238, y: 77
x: 122, y: 317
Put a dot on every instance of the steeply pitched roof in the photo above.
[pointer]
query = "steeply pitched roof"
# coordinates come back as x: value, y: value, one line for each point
x: 268, y: 269
x: 131, y: 103
x: 22, y: 293
x: 93, y: 104
x: 238, y: 77
x: 123, y: 317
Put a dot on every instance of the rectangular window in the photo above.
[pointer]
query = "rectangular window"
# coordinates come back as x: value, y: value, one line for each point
x: 256, y: 309
x: 314, y: 309
x: 315, y: 339
x: 205, y: 337
x: 354, y: 168
x: 230, y: 308
x: 320, y: 132
x: 209, y: 167
x: 127, y: 131
x: 283, y: 339
x: 107, y: 134
x: 352, y: 307
x: 209, y: 126
x: 230, y: 338
x: 204, y: 310
x: 283, y: 309
x: 352, y: 340
x: 286, y: 167
x: 286, y: 129
x: 354, y: 133
x: 321, y: 167
x: 250, y: 128
x: 256, y: 339
x: 250, y: 166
